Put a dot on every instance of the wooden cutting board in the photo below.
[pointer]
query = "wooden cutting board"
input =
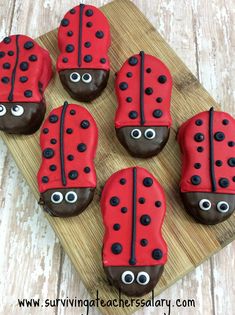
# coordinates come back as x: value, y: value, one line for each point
x: 189, y: 243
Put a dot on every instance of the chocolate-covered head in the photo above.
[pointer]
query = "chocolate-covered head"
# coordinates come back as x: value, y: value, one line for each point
x: 134, y: 281
x: 84, y: 84
x: 143, y: 142
x: 209, y: 208
x: 21, y: 118
x: 66, y: 202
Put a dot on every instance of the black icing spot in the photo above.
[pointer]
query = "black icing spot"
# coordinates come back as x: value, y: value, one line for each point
x: 123, y: 86
x: 200, y: 149
x: 99, y: 34
x: 148, y: 70
x: 24, y: 66
x: 124, y: 210
x: 89, y: 12
x: 199, y: 137
x: 114, y: 201
x: 6, y: 65
x: 116, y: 227
x: 133, y: 61
x: 85, y: 124
x: 87, y: 169
x: 53, y: 141
x: 69, y: 48
x: 72, y: 11
x: 157, y: 254
x: 70, y: 157
x: 116, y: 248
x: 197, y: 165
x: 129, y: 74
x: 2, y: 54
x: 157, y: 113
x: 23, y: 79
x: 133, y: 115
x: 7, y: 40
x: 87, y: 44
x: 147, y: 182
x: 45, y: 179
x: 233, y: 178
x: 198, y: 122
x: 141, y: 200
x: 82, y: 147
x: 162, y: 79
x: 65, y: 22
x: 129, y: 99
x: 33, y: 58
x: 88, y: 58
x: 231, y: 162
x: 28, y: 93
x: 145, y: 219
x: 65, y: 60
x: 224, y: 182
x: 225, y: 122
x: 122, y: 181
x: 158, y: 204
x: 196, y: 180
x: 70, y: 33
x: 48, y: 153
x: 158, y: 99
x: 231, y: 144
x: 89, y: 24
x: 218, y: 163
x: 10, y: 53
x: 69, y: 131
x: 103, y: 60
x: 72, y: 112
x: 5, y: 80
x: 219, y: 136
x: 45, y: 131
x: 53, y: 167
x: 144, y: 242
x: 73, y: 175
x: 53, y: 118
x: 28, y: 45
x: 149, y: 91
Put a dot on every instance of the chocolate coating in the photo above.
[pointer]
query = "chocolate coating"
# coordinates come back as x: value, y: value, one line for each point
x: 28, y: 123
x: 65, y: 209
x: 84, y: 92
x: 114, y: 275
x: 142, y: 147
x: 213, y: 216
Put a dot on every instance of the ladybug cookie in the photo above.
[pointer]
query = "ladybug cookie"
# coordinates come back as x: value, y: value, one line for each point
x: 134, y: 252
x: 143, y: 88
x: 67, y: 177
x: 25, y: 71
x: 207, y: 186
x: 83, y: 64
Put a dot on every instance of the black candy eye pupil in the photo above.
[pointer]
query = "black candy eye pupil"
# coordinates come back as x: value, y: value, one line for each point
x: 86, y: 77
x: 128, y: 278
x: 56, y: 197
x: 136, y: 133
x: 206, y: 204
x: 74, y: 76
x: 149, y: 134
x: 71, y: 197
x: 142, y: 279
x: 223, y: 206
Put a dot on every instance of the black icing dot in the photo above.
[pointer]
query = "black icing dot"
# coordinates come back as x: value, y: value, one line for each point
x: 224, y: 182
x: 116, y: 227
x: 133, y: 114
x: 69, y: 48
x: 82, y: 147
x: 199, y: 137
x: 72, y: 112
x: 144, y: 242
x: 33, y: 58
x: 129, y: 74
x: 69, y: 131
x: 197, y: 165
x: 24, y: 66
x: 53, y: 118
x: 157, y: 113
x: 149, y: 91
x: 198, y: 122
x: 5, y: 80
x: 114, y: 201
x: 162, y: 79
x: 28, y: 93
x: 6, y: 65
x: 233, y: 178
x: 129, y: 99
x: 124, y: 210
x: 85, y: 124
x: 147, y: 182
x: 45, y: 131
x: 133, y: 61
x: 48, y: 153
x: 7, y: 40
x: 72, y: 11
x: 2, y: 54
x: 218, y: 163
x: 141, y: 200
x: 225, y: 122
x: 53, y: 141
x: 10, y: 53
x: 231, y: 162
x: 219, y: 136
x: 65, y: 22
x: 89, y: 24
x: 148, y: 70
x: 23, y: 79
x: 87, y: 44
x: 103, y: 60
x: 70, y: 157
x: 28, y: 45
x: 70, y: 33
x: 158, y: 204
x: 157, y: 254
x: 200, y: 149
x: 88, y: 58
x: 116, y: 248
x: 53, y: 167
x: 123, y: 86
x: 45, y: 179
x: 145, y: 219
x: 122, y: 181
x: 99, y: 34
x: 89, y: 12
x: 195, y: 180
x: 231, y: 143
x: 87, y: 169
x: 158, y: 99
x: 65, y: 60
x: 73, y: 175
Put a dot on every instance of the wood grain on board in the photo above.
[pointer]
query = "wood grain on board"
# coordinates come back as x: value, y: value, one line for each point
x: 189, y: 45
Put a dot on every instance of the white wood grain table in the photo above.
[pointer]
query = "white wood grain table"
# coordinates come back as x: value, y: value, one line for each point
x: 32, y: 262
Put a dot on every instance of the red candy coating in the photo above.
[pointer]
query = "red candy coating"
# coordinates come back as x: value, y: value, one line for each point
x: 120, y: 185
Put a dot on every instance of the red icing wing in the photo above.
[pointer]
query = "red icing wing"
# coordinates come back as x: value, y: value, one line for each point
x: 133, y: 208
x: 84, y: 39
x: 143, y: 88
x: 68, y: 141
x: 25, y: 69
x: 208, y: 153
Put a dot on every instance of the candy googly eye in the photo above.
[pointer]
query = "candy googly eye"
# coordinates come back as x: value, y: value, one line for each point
x: 222, y: 206
x: 150, y: 134
x: 136, y: 134
x: 205, y: 204
x: 143, y: 278
x: 57, y: 197
x: 75, y: 77
x: 17, y: 110
x: 86, y: 78
x: 71, y: 197
x: 2, y: 110
x: 128, y: 277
